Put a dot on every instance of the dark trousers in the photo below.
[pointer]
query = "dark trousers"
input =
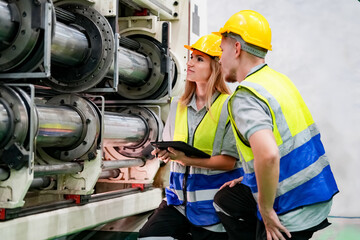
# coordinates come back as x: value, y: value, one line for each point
x: 167, y: 221
x: 240, y: 220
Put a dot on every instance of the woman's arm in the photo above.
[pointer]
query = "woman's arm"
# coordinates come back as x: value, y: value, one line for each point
x: 218, y: 162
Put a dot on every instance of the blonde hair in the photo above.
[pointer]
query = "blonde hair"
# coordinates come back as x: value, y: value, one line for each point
x: 215, y: 82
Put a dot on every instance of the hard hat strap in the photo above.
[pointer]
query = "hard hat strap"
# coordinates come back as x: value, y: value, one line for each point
x: 252, y: 49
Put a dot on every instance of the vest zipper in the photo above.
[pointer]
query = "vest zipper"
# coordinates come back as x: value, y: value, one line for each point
x: 184, y: 186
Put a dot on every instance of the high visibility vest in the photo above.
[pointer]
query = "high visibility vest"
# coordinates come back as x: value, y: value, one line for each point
x: 196, y: 187
x: 305, y: 175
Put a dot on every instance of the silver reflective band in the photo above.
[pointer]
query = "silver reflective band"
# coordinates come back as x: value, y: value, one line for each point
x: 219, y: 209
x: 252, y: 49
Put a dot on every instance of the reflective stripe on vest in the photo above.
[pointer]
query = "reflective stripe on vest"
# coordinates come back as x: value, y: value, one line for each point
x: 305, y: 175
x: 202, y: 184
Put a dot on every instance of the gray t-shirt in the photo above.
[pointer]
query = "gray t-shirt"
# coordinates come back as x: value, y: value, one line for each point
x: 194, y: 118
x: 251, y: 115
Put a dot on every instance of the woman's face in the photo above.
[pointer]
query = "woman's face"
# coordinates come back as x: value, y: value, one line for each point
x: 198, y: 67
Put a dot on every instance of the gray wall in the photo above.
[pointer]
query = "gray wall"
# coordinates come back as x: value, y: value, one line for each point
x: 317, y: 45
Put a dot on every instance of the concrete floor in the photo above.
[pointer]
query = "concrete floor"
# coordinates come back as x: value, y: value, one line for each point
x: 340, y: 229
x: 127, y: 229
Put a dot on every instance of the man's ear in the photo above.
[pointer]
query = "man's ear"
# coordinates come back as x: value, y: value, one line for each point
x: 237, y: 48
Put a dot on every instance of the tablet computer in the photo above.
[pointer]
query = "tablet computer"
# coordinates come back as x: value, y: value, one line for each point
x: 189, y: 150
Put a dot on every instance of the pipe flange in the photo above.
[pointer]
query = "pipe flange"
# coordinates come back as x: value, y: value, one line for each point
x: 86, y: 150
x: 6, y: 136
x: 25, y: 42
x: 154, y: 125
x: 20, y: 115
x: 101, y: 54
x: 26, y: 98
x: 156, y: 83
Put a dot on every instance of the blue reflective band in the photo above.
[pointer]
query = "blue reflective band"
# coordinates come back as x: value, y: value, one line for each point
x: 292, y: 163
x: 176, y: 180
x: 202, y: 212
x: 197, y: 182
x: 250, y: 181
x: 319, y: 189
x: 172, y: 198
x: 301, y: 157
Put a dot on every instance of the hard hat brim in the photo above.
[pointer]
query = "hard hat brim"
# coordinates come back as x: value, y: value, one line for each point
x: 217, y: 33
x: 188, y: 47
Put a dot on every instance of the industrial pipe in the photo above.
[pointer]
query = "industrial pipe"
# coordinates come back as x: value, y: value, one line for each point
x: 66, y: 126
x: 59, y: 126
x: 7, y: 27
x: 4, y: 122
x: 70, y: 46
x: 4, y: 174
x: 132, y: 66
x: 40, y: 182
x: 126, y: 163
x: 123, y: 129
x: 110, y: 174
x: 72, y: 168
x: 43, y: 170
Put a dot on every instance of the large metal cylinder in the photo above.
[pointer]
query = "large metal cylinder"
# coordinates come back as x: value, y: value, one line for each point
x: 63, y: 127
x: 133, y: 67
x: 4, y: 122
x: 123, y: 130
x: 4, y: 174
x: 70, y: 46
x: 7, y: 27
x: 59, y: 126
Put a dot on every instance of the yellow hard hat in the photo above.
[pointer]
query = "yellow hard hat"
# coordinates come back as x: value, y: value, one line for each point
x: 251, y: 26
x: 209, y: 44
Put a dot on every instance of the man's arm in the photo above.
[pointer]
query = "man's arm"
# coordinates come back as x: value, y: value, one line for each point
x: 266, y: 166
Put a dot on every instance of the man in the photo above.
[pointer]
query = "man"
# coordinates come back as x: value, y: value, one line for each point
x: 285, y: 165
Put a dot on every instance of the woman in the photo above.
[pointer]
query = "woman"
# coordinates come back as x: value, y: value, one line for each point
x: 199, y: 118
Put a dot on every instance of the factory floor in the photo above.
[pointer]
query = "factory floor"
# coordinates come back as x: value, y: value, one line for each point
x: 127, y: 229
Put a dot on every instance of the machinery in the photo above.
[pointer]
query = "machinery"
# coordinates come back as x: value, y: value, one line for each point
x: 85, y: 87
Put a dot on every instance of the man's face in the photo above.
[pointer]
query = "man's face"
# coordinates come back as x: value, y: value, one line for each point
x: 227, y: 60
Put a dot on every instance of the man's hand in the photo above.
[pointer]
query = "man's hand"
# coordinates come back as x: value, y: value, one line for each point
x: 232, y: 183
x: 273, y: 226
x: 267, y: 168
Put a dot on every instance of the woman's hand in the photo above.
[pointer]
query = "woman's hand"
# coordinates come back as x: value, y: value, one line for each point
x: 179, y: 157
x: 232, y: 183
x: 163, y: 155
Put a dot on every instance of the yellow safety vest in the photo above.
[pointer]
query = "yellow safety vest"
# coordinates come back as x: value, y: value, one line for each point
x: 196, y: 187
x: 305, y: 174
x: 205, y: 132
